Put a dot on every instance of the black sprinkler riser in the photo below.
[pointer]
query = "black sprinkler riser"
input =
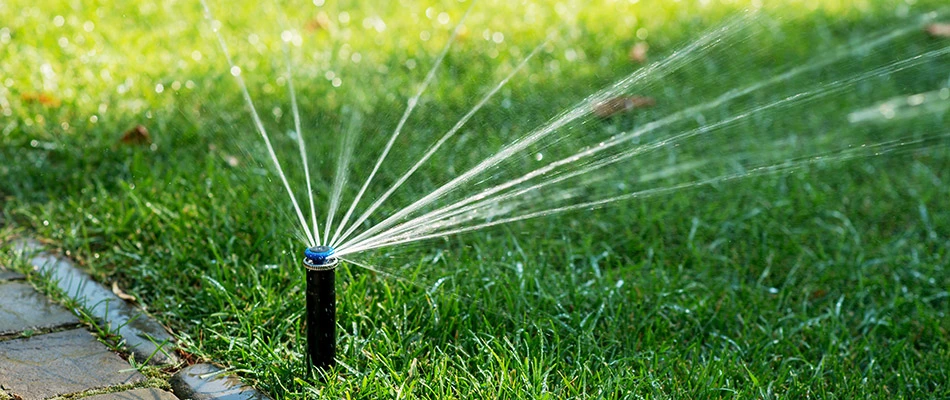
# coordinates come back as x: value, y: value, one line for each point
x: 321, y: 307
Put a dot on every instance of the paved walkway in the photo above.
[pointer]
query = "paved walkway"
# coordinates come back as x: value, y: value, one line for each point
x: 45, y: 351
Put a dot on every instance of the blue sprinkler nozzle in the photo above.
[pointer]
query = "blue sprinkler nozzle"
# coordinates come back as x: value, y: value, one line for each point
x: 319, y: 256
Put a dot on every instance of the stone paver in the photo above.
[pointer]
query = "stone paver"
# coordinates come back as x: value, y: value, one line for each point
x: 23, y: 308
x: 70, y: 362
x: 205, y: 382
x: 135, y: 394
x: 6, y: 275
x: 145, y: 338
x: 60, y: 363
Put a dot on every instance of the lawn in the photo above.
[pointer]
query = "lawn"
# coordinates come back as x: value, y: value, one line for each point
x: 760, y: 246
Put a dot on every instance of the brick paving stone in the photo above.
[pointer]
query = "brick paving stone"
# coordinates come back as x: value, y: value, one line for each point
x: 205, y: 382
x: 23, y: 308
x: 145, y: 338
x: 135, y: 394
x: 60, y: 363
x: 7, y: 275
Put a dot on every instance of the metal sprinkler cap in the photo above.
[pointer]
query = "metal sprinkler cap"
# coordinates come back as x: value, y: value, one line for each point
x: 319, y: 258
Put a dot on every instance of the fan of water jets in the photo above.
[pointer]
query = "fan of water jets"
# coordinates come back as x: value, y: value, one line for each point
x: 566, y: 164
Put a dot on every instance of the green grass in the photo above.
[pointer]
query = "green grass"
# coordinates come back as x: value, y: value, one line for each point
x: 830, y: 280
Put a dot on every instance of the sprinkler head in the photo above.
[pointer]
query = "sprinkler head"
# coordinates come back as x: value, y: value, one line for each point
x: 321, y: 307
x: 319, y: 258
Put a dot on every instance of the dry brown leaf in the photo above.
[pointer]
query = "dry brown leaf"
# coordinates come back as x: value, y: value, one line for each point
x: 638, y: 53
x: 137, y: 135
x: 320, y: 23
x: 622, y: 104
x: 45, y: 99
x: 938, y: 30
x: 122, y: 295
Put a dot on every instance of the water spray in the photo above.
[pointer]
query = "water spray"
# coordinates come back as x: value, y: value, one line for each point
x: 321, y: 307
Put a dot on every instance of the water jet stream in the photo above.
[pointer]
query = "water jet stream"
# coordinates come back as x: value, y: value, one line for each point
x: 432, y: 149
x: 488, y: 196
x: 896, y: 146
x: 342, y: 167
x: 410, y: 106
x: 671, y: 63
x: 821, y: 90
x: 236, y: 72
x: 300, y: 144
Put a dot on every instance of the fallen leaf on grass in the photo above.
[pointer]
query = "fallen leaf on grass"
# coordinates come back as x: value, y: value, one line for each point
x: 638, y: 53
x: 622, y: 104
x: 938, y: 30
x: 122, y: 295
x: 320, y: 23
x: 45, y: 99
x: 136, y: 135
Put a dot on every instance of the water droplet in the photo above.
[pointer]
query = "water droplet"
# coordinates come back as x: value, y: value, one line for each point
x: 286, y: 36
x: 318, y: 3
x: 643, y: 33
x: 59, y: 20
x: 47, y: 70
x: 887, y: 110
x: 45, y: 223
x: 443, y: 18
x: 159, y: 88
x: 570, y: 55
x: 235, y: 70
x: 498, y: 37
x: 88, y: 26
x: 539, y: 157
